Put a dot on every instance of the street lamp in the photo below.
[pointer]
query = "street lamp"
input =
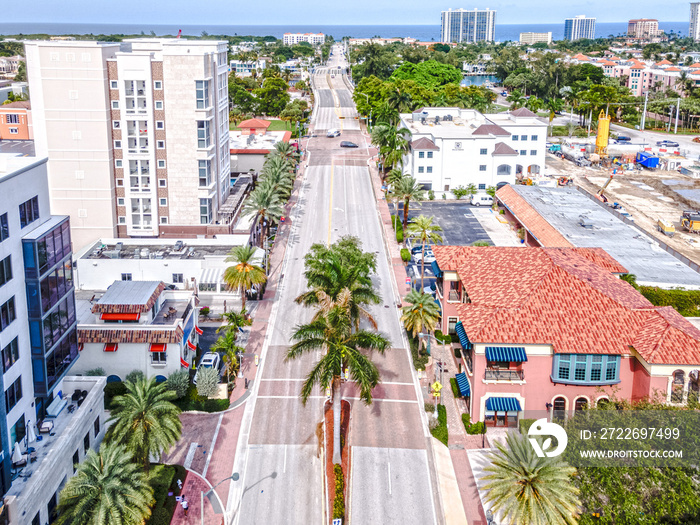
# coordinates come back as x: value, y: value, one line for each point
x: 217, y: 509
x: 369, y: 122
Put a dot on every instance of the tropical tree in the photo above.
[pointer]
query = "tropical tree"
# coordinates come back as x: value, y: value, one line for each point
x: 516, y: 99
x: 527, y: 489
x: 422, y: 313
x: 534, y: 104
x: 423, y: 229
x: 108, y: 487
x: 471, y: 189
x: 393, y: 144
x: 408, y: 189
x: 144, y: 420
x: 265, y: 204
x: 226, y: 345
x: 554, y: 105
x: 342, y: 349
x: 285, y: 149
x: 234, y: 321
x: 243, y: 275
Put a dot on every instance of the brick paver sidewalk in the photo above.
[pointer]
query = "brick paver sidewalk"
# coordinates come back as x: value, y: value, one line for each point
x: 192, y: 488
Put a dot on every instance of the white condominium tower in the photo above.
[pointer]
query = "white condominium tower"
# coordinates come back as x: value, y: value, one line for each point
x: 694, y: 31
x: 579, y: 27
x: 136, y: 134
x: 462, y: 25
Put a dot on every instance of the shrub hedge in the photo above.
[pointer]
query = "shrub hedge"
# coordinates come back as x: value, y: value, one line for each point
x: 440, y: 431
x: 193, y: 401
x: 161, y: 479
x: 405, y: 255
x: 117, y: 388
x: 455, y: 388
x: 687, y: 302
x: 524, y: 425
x: 473, y: 429
x: 418, y: 354
x: 339, y: 500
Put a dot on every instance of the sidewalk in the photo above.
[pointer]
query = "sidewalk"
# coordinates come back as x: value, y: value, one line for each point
x: 192, y: 488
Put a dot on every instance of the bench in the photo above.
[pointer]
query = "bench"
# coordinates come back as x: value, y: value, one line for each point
x: 46, y: 427
x: 56, y: 406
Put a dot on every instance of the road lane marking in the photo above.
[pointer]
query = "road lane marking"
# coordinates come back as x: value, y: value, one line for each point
x: 388, y: 468
x: 190, y: 455
x: 284, y: 470
x: 211, y: 447
x: 394, y: 383
x: 285, y: 379
x: 293, y: 397
x: 384, y: 399
x: 330, y: 204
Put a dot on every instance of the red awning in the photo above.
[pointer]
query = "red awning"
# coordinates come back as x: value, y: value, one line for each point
x: 184, y: 363
x: 158, y: 347
x: 192, y: 346
x: 198, y: 330
x: 111, y: 347
x: 120, y: 317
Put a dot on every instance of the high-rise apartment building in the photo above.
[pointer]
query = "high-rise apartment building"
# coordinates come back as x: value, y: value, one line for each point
x: 694, y: 31
x: 289, y: 39
x: 535, y: 38
x: 643, y: 28
x: 136, y: 134
x: 462, y: 25
x: 579, y: 27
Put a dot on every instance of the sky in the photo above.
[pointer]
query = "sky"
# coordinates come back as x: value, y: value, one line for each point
x: 337, y: 12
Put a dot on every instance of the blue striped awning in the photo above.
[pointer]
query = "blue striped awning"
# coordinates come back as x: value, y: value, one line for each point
x: 436, y: 269
x: 503, y: 404
x: 506, y: 353
x: 463, y: 384
x: 463, y: 339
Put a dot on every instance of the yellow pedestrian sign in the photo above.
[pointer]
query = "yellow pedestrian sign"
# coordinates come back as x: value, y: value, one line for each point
x: 436, y: 386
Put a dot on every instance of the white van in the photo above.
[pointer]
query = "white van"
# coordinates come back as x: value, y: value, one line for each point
x: 481, y: 199
x: 333, y: 133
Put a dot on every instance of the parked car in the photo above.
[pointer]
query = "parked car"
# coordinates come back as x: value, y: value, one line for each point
x: 419, y: 248
x: 348, y: 144
x: 426, y: 257
x: 209, y: 360
x: 667, y: 144
x: 333, y: 133
x: 622, y: 138
x: 481, y: 199
x: 504, y: 93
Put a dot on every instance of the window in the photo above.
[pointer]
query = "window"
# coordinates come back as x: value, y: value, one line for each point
x: 118, y: 163
x: 533, y: 152
x: 120, y: 201
x: 451, y: 324
x: 164, y: 220
x: 204, y: 172
x: 533, y: 137
x: 202, y: 93
x: 160, y: 124
x: 13, y: 394
x: 115, y: 104
x: 483, y: 151
x: 515, y: 137
x: 162, y: 183
x: 158, y: 84
x: 113, y: 84
x: 29, y: 211
x: 430, y: 154
x: 421, y: 169
x: 14, y: 131
x: 596, y: 364
x: 421, y: 154
x: 580, y: 370
x: 5, y: 270
x: 162, y: 202
x: 4, y: 228
x: 585, y: 369
x: 126, y: 277
x: 178, y: 278
x: 482, y: 167
x: 158, y: 358
x: 96, y: 426
x: 564, y: 367
x: 611, y: 371
x: 12, y: 118
x: 122, y: 220
x: 203, y: 135
x: 10, y: 355
x: 523, y: 137
x: 86, y: 442
x: 76, y: 460
x: 429, y: 169
x: 115, y: 124
x: 204, y: 211
x: 160, y: 144
x: 159, y: 104
x: 117, y: 144
x: 482, y: 186
x: 523, y: 152
x: 161, y: 165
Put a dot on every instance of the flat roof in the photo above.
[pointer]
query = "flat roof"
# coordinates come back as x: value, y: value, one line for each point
x: 265, y: 141
x: 13, y: 163
x: 129, y: 292
x: 564, y: 208
x: 162, y: 248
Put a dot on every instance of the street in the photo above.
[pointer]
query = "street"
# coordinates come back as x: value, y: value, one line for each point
x: 281, y: 473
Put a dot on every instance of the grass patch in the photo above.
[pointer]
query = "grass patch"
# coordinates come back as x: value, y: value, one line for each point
x: 524, y: 425
x: 339, y: 500
x: 418, y: 354
x: 275, y: 125
x: 473, y: 428
x: 455, y: 388
x: 440, y: 431
x: 193, y: 401
x: 162, y: 478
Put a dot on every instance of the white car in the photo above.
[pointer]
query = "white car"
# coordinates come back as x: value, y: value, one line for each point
x: 333, y: 133
x: 428, y: 256
x: 209, y: 360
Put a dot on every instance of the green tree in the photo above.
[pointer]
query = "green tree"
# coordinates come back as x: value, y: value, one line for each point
x: 108, y: 487
x: 422, y: 313
x: 527, y: 489
x: 272, y: 96
x: 430, y: 73
x: 244, y: 274
x: 207, y: 381
x: 516, y: 99
x: 144, y: 420
x: 265, y: 204
x: 424, y: 231
x: 178, y: 382
x: 406, y: 190
x: 234, y: 321
x: 341, y: 349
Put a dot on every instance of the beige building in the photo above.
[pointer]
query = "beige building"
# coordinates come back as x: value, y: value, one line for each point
x: 694, y: 30
x: 136, y: 134
x: 289, y: 39
x: 534, y: 38
x: 643, y: 28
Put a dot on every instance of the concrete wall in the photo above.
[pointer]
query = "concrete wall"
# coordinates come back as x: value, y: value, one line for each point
x: 128, y: 357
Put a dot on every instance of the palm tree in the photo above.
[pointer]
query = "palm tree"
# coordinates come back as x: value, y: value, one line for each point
x: 529, y: 490
x: 534, y: 104
x: 407, y: 189
x: 285, y: 149
x: 554, y: 105
x: 235, y: 320
x: 145, y: 420
x: 516, y: 99
x: 422, y: 313
x: 226, y: 344
x: 342, y: 349
x: 108, y: 487
x: 425, y: 231
x: 399, y: 100
x: 266, y: 205
x: 243, y: 275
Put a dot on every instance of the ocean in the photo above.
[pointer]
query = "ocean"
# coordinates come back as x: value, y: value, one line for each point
x: 504, y: 32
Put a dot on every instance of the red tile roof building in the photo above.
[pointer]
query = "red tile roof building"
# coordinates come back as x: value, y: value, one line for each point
x: 561, y: 308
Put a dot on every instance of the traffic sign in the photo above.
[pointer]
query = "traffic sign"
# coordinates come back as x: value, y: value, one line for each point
x: 408, y: 280
x: 436, y: 386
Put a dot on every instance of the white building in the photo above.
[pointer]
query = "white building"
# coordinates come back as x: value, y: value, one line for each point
x: 534, y: 38
x: 136, y: 134
x: 452, y: 147
x: 643, y: 28
x: 694, y: 31
x: 289, y: 39
x: 245, y: 68
x: 195, y: 264
x: 579, y: 27
x: 464, y: 25
x: 138, y: 325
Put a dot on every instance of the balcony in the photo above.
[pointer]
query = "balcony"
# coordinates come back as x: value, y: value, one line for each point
x: 491, y: 374
x: 454, y: 296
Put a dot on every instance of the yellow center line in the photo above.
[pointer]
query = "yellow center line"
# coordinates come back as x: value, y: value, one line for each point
x: 330, y: 204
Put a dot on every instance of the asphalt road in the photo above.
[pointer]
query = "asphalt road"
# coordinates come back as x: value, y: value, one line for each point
x: 281, y: 471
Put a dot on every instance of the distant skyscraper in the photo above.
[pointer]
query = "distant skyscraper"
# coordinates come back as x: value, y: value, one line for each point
x: 461, y: 25
x: 694, y: 31
x: 643, y: 28
x: 579, y: 27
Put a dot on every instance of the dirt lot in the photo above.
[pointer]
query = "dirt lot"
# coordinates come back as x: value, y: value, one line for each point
x: 644, y: 196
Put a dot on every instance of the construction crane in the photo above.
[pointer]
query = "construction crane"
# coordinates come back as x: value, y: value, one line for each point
x: 600, y: 195
x: 601, y: 141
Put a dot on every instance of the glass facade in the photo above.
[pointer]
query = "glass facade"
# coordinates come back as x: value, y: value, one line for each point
x: 50, y: 302
x: 586, y: 369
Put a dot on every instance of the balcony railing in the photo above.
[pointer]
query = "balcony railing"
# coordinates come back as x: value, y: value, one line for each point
x: 503, y: 375
x: 468, y: 361
x: 454, y: 296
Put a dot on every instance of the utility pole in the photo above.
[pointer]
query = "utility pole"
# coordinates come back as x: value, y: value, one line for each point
x: 678, y: 108
x: 644, y: 113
